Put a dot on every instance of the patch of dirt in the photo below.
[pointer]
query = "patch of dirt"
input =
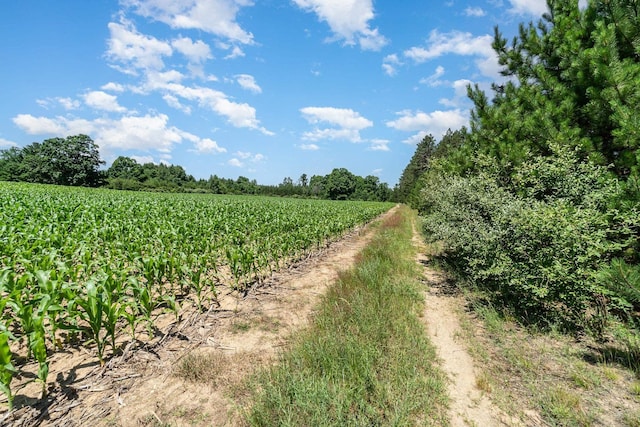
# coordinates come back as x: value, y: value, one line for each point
x: 469, y: 405
x: 139, y: 386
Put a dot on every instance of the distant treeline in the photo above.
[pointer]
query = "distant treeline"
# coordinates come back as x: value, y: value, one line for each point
x: 127, y: 174
x: 75, y: 161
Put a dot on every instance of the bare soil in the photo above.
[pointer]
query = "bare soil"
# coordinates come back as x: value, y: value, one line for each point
x: 469, y: 404
x: 140, y: 387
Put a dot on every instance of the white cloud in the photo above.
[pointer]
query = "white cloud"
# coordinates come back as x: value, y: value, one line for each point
x: 238, y: 114
x: 455, y: 42
x: 157, y: 80
x: 196, y: 52
x: 143, y: 159
x: 460, y: 94
x: 434, y: 79
x: 435, y: 123
x: 236, y: 52
x: 342, y: 117
x: 389, y: 64
x: 528, y: 7
x: 131, y: 132
x: 235, y: 162
x: 389, y: 69
x: 135, y: 50
x: 329, y: 133
x: 139, y: 132
x: 241, y: 157
x: 174, y: 102
x: 474, y: 11
x: 213, y: 16
x: 38, y: 125
x: 372, y: 40
x: 349, y: 123
x: 207, y: 145
x: 113, y: 87
x: 348, y: 20
x: 309, y: 147
x: 5, y: 143
x: 68, y: 103
x: 379, y: 145
x: 103, y: 101
x: 248, y: 82
x: 416, y: 138
x: 458, y: 43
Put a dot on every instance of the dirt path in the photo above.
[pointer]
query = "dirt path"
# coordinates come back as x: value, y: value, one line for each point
x: 140, y: 387
x: 469, y: 406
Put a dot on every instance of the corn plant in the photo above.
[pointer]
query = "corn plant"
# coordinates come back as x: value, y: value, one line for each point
x: 37, y: 345
x: 92, y: 305
x: 145, y: 304
x: 7, y: 371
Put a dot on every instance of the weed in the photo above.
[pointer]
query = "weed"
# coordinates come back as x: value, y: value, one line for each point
x: 565, y: 407
x: 584, y: 377
x: 483, y: 382
x: 238, y: 327
x: 610, y: 373
x: 200, y: 367
x: 632, y: 419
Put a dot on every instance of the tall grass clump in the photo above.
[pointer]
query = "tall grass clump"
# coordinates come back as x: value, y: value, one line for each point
x: 365, y: 359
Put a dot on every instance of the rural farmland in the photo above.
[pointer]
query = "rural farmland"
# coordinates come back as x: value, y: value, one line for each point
x: 84, y: 265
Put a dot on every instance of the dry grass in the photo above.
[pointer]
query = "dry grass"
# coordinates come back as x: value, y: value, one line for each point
x: 201, y: 367
x: 566, y: 381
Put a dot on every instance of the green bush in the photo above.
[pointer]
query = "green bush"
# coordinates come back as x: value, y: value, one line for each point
x: 541, y: 250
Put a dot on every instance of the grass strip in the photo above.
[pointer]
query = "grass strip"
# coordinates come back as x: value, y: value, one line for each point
x: 365, y: 359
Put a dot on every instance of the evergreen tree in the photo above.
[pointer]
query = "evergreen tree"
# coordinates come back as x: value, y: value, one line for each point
x: 573, y: 78
x: 418, y: 164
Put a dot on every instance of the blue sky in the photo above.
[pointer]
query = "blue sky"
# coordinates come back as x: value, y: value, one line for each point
x: 265, y: 89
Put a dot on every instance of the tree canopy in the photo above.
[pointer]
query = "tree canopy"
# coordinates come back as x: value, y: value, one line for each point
x: 74, y: 160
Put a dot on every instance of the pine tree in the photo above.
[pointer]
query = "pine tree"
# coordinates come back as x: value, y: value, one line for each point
x: 573, y: 78
x: 418, y: 164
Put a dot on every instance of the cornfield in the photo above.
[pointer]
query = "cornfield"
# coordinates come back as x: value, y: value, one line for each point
x: 94, y: 263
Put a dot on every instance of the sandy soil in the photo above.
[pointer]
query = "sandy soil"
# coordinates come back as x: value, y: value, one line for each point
x: 469, y: 405
x: 139, y: 387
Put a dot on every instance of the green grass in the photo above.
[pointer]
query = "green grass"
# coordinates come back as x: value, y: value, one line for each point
x: 566, y: 381
x: 365, y: 359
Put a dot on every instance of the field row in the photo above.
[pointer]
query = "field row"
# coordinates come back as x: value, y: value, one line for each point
x: 89, y: 262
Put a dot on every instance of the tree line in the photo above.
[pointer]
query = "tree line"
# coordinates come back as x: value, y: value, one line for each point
x: 538, y: 203
x: 75, y: 161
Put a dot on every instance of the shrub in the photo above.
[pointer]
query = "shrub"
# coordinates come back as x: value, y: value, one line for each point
x: 538, y: 250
